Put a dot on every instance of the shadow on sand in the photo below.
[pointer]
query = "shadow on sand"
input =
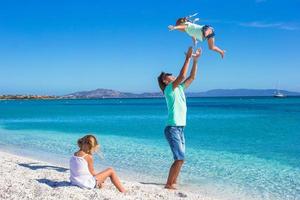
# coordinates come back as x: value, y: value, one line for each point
x: 54, y: 184
x: 146, y: 183
x: 34, y: 166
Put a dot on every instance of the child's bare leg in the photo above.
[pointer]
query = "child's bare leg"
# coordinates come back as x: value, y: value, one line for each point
x: 211, y: 45
x: 113, y: 177
x: 194, y: 41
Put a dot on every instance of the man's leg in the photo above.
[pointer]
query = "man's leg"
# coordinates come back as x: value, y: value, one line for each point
x: 176, y: 141
x: 173, y: 174
x: 178, y: 171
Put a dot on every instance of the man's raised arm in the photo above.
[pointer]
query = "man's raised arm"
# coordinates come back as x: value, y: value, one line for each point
x: 184, y: 69
x: 192, y: 76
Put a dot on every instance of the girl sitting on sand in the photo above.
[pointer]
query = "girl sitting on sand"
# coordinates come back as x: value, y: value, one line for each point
x: 82, y: 167
x: 197, y: 32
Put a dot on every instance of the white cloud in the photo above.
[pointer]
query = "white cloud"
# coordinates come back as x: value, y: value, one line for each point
x: 290, y: 26
x: 277, y: 25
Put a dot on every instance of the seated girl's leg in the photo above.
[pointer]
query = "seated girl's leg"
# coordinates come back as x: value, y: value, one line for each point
x: 110, y: 172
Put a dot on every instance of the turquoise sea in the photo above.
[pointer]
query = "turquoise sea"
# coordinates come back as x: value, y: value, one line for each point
x: 237, y: 148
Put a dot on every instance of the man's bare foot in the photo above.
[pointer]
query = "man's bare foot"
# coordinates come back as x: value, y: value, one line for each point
x: 223, y: 53
x: 174, y: 185
x: 170, y: 187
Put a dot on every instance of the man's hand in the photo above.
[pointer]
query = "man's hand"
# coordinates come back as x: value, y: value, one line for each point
x: 197, y: 54
x: 189, y: 53
x: 171, y: 27
x: 184, y: 69
x: 192, y: 76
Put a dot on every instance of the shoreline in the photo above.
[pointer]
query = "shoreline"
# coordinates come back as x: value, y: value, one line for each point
x: 52, y: 181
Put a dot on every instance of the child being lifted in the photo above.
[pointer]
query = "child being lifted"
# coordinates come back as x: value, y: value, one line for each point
x: 197, y: 32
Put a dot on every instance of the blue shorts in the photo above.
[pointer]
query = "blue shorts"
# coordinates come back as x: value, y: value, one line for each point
x: 175, y: 137
x: 204, y: 29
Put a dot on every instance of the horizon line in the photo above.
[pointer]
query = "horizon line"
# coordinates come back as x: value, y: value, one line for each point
x: 138, y: 93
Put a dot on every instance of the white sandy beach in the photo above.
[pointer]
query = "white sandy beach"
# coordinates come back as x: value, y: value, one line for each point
x: 26, y: 178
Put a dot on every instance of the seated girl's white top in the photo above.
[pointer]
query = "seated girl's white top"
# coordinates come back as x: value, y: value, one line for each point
x: 194, y: 30
x: 80, y: 174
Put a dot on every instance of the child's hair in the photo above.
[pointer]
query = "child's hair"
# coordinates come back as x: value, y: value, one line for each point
x: 189, y: 18
x: 87, y: 143
x: 182, y: 20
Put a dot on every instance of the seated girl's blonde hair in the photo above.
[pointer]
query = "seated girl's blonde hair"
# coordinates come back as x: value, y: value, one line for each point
x: 88, y: 143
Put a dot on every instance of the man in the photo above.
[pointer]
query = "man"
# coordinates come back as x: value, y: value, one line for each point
x: 173, y: 89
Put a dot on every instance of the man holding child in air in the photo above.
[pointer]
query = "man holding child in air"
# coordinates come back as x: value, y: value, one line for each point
x: 173, y: 89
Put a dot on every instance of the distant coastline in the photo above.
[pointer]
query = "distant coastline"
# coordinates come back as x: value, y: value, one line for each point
x: 113, y: 94
x: 27, y: 97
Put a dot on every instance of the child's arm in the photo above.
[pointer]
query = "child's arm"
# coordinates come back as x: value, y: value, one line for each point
x: 178, y: 27
x: 90, y: 162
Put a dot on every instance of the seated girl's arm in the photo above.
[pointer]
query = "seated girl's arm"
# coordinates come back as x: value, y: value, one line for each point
x: 90, y: 162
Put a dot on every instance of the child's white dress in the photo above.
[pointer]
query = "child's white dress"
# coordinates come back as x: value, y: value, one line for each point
x: 80, y: 174
x: 194, y: 30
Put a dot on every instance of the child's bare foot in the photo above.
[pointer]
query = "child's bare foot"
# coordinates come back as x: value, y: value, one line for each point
x: 170, y: 187
x: 222, y: 53
x: 123, y: 191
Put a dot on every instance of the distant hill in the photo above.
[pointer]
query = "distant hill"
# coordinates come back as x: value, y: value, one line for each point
x: 105, y: 93
x: 241, y: 93
x: 100, y: 93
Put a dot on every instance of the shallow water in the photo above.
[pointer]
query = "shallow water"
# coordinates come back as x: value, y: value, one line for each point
x: 237, y: 148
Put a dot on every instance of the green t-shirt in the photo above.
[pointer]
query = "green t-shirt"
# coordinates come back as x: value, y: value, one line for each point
x: 176, y: 105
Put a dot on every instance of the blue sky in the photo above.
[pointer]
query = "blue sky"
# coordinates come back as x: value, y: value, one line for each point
x: 62, y: 46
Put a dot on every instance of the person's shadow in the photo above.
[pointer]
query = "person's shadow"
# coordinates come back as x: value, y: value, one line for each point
x: 50, y: 183
x: 151, y: 183
x: 33, y: 166
x: 54, y: 184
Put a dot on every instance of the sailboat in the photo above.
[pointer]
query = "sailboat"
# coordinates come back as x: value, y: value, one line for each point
x: 279, y: 94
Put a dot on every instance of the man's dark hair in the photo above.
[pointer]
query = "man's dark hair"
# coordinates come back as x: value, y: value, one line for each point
x: 160, y: 80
